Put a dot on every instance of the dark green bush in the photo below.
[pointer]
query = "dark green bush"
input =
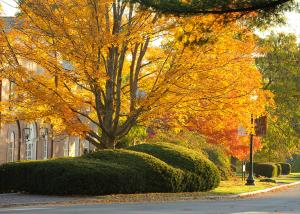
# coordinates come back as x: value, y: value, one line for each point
x: 153, y: 174
x: 279, y: 169
x: 220, y: 159
x: 266, y: 169
x: 67, y: 176
x: 111, y: 172
x: 201, y: 174
x: 286, y: 168
x: 115, y: 172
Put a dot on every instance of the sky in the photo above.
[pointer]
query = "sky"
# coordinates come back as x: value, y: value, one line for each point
x: 292, y: 26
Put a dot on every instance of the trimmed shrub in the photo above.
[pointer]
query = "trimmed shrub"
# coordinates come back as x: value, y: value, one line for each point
x: 266, y: 169
x: 220, y: 159
x: 153, y: 174
x: 115, y: 172
x: 66, y: 177
x: 201, y: 174
x: 286, y: 168
x: 279, y: 169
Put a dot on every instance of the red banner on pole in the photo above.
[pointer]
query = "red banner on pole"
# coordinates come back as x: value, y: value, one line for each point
x: 261, y: 126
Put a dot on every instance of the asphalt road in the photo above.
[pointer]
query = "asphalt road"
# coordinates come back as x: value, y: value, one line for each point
x: 285, y: 202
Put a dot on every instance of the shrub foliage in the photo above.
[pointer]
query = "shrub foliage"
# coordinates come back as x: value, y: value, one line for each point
x: 111, y: 172
x: 221, y: 160
x: 279, y: 169
x: 286, y: 168
x: 269, y: 170
x: 200, y: 170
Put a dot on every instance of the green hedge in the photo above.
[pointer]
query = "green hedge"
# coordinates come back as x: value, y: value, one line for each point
x: 279, y: 169
x: 118, y: 171
x: 199, y: 170
x: 221, y: 160
x: 286, y: 168
x: 109, y: 172
x: 153, y: 174
x: 67, y: 177
x: 266, y: 169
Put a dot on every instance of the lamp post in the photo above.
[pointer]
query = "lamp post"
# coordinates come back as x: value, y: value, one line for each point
x: 250, y: 179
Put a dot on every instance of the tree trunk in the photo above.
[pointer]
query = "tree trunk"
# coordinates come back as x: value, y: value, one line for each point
x: 108, y: 142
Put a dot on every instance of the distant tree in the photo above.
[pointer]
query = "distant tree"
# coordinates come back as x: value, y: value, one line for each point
x: 280, y: 68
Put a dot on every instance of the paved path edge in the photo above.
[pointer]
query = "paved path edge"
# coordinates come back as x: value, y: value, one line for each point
x: 93, y: 201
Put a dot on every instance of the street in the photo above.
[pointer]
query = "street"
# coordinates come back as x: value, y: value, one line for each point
x: 284, y: 202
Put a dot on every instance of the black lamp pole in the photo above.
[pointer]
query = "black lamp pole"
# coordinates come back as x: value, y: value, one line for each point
x: 250, y: 179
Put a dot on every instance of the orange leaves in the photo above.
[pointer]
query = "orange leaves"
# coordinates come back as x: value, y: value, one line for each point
x: 107, y: 65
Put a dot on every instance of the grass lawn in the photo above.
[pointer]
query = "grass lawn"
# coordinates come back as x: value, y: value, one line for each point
x: 294, y: 177
x: 237, y: 186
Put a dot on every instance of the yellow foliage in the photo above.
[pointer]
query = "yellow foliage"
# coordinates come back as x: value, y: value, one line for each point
x: 100, y: 67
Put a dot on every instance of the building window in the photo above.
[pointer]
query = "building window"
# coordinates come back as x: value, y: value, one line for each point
x: 44, y: 135
x: 29, y: 150
x: 86, y: 147
x: 66, y: 148
x: 46, y: 147
x: 29, y: 135
x: 11, y: 147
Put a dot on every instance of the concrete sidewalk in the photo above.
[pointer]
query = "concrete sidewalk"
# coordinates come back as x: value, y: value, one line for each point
x: 20, y: 200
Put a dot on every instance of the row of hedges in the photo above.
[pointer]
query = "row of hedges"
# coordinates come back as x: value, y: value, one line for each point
x: 270, y: 169
x: 113, y: 172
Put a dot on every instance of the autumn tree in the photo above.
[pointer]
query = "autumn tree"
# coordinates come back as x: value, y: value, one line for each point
x: 97, y: 68
x: 216, y: 96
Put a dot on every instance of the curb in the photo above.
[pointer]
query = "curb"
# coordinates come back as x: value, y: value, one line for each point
x: 257, y: 192
x: 269, y: 189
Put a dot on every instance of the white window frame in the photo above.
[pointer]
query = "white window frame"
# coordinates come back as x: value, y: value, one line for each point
x: 29, y: 150
x: 46, y: 147
x: 66, y: 148
x: 11, y: 147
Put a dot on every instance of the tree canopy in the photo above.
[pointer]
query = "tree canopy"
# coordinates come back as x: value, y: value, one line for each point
x: 96, y: 69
